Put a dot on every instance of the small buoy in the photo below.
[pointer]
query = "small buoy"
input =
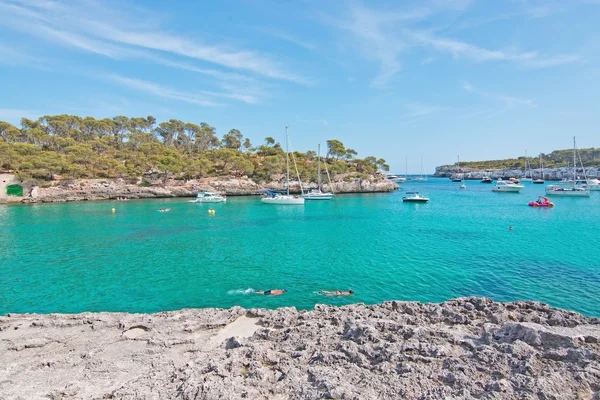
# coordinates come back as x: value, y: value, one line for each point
x: 114, y: 210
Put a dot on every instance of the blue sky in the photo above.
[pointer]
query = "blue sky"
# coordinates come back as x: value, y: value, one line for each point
x: 481, y: 79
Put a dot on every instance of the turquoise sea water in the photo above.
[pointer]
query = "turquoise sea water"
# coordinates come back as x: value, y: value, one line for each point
x: 81, y: 257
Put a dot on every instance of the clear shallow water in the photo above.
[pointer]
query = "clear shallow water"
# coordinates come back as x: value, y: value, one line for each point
x: 80, y: 257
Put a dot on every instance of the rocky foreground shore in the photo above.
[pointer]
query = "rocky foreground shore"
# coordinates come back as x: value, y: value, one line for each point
x: 470, y: 348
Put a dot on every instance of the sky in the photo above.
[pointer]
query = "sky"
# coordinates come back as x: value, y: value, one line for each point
x: 401, y: 80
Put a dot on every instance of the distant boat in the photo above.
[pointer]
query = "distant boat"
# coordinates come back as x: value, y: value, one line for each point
x: 541, y: 180
x: 456, y: 177
x: 527, y: 168
x: 507, y: 186
x: 209, y: 197
x: 396, y: 178
x: 570, y: 189
x: 463, y: 186
x: 274, y: 197
x: 317, y: 194
x: 414, y: 197
x: 421, y: 177
x: 486, y: 179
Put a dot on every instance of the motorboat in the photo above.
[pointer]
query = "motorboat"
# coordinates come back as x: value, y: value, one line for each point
x: 507, y: 186
x: 209, y: 197
x: 541, y: 202
x: 514, y: 180
x: 274, y: 197
x: 396, y: 178
x: 456, y: 178
x: 570, y: 188
x: 590, y: 184
x: 463, y: 186
x: 486, y: 179
x: 317, y: 194
x: 164, y: 210
x: 414, y: 197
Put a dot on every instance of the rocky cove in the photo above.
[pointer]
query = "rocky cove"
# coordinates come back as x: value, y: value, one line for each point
x: 551, y: 174
x: 155, y: 187
x: 467, y: 348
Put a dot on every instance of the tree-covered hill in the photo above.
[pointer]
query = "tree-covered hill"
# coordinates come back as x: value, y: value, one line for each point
x: 558, y: 158
x: 76, y: 147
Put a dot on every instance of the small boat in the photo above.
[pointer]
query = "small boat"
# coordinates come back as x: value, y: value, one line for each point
x: 414, y: 197
x: 209, y: 197
x: 274, y: 197
x: 570, y: 188
x: 540, y: 181
x: 317, y: 194
x: 396, y: 178
x: 514, y: 180
x: 507, y: 186
x: 541, y: 202
x: 456, y: 178
x: 486, y: 179
x: 163, y: 210
x: 463, y: 186
x: 277, y: 198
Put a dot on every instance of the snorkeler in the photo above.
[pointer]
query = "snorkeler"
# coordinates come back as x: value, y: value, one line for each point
x: 271, y: 292
x: 337, y: 292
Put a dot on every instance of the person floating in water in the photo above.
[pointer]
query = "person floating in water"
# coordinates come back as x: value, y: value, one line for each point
x: 337, y: 292
x: 510, y: 228
x: 271, y: 292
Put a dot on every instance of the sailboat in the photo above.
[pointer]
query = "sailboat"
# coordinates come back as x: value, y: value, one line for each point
x: 527, y: 168
x: 421, y: 177
x: 541, y: 180
x: 571, y: 189
x: 317, y: 194
x: 273, y: 197
x: 457, y: 177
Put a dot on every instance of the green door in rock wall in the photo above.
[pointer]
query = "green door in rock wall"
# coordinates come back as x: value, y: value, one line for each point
x: 14, y: 190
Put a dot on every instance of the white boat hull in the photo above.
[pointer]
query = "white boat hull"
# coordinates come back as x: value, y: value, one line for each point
x: 283, y: 200
x: 320, y: 196
x: 567, y: 192
x: 507, y: 189
x: 223, y: 200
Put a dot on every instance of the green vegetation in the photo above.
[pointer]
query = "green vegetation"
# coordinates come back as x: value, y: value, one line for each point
x: 75, y: 147
x: 556, y: 159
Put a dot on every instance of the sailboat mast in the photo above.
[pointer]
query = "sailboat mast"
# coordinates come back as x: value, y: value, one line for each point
x: 287, y: 162
x: 406, y: 168
x: 542, y: 166
x: 319, y: 166
x: 574, y: 162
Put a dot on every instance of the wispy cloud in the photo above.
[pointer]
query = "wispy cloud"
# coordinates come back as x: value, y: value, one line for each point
x: 14, y: 57
x: 413, y: 110
x: 509, y: 101
x: 96, y: 33
x: 288, y: 38
x: 385, y: 35
x: 162, y: 91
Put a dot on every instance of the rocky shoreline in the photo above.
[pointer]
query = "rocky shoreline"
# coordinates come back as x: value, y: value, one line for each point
x: 468, y: 348
x: 550, y: 174
x: 108, y: 189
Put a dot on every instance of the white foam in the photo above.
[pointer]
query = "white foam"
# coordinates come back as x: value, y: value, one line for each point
x: 241, y: 291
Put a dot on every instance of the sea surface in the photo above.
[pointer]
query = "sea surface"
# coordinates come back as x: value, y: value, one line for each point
x: 75, y: 257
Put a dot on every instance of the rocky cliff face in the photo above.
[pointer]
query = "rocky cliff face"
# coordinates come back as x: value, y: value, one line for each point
x: 104, y: 189
x: 551, y: 174
x: 470, y: 348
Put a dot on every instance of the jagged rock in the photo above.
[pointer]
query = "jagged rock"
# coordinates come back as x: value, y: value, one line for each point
x: 461, y: 349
